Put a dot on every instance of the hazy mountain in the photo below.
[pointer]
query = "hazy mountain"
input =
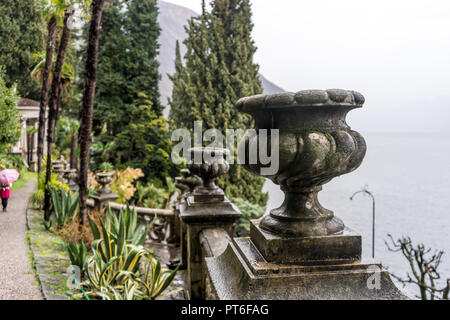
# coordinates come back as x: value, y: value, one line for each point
x: 172, y: 19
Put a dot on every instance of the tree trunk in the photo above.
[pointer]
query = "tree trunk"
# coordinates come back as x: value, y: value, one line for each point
x: 53, y: 105
x: 73, y: 149
x: 51, y: 38
x: 87, y: 108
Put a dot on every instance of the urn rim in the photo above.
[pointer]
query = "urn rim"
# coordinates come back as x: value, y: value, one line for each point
x: 304, y: 98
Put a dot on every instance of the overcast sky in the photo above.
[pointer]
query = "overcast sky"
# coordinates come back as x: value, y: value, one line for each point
x: 396, y: 53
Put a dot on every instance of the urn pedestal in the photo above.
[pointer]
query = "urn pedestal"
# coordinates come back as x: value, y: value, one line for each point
x: 206, y: 208
x: 301, y: 250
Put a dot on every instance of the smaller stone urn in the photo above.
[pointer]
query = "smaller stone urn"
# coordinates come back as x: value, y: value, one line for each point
x: 211, y: 165
x: 104, y: 179
x: 70, y: 177
x: 59, y: 169
x: 104, y: 194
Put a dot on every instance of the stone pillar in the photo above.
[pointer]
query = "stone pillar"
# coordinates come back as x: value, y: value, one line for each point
x: 301, y: 250
x: 105, y: 194
x: 187, y: 184
x: 59, y: 170
x: 206, y: 208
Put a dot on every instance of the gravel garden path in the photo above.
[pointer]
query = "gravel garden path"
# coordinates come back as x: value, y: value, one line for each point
x: 17, y: 279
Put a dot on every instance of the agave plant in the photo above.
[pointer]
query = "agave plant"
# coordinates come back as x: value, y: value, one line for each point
x: 120, y: 267
x: 156, y: 280
x: 65, y: 205
x: 77, y: 254
x: 135, y: 234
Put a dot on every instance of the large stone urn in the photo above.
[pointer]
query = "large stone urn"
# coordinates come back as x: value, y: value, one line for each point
x: 315, y: 145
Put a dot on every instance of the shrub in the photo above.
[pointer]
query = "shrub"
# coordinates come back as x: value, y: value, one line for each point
x: 76, y: 232
x: 65, y: 205
x: 120, y: 268
x: 9, y: 116
x: 78, y: 254
x: 122, y: 184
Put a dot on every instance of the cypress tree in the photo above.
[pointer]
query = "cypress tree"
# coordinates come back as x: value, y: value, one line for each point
x: 22, y: 33
x: 219, y: 70
x: 113, y: 103
x: 143, y: 30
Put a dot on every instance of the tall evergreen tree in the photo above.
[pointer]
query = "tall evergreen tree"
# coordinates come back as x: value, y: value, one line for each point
x: 128, y: 71
x: 219, y: 70
x: 142, y: 27
x: 22, y: 33
x: 113, y: 103
x: 127, y: 63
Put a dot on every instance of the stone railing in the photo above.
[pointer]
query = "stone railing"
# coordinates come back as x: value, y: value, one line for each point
x: 165, y: 222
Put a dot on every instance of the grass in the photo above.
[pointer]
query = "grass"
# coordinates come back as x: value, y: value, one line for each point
x: 24, y: 178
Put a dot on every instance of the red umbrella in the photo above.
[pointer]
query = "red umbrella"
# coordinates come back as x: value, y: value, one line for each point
x: 8, y: 176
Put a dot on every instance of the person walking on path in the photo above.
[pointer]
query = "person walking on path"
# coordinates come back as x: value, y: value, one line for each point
x: 5, y: 193
x: 17, y: 278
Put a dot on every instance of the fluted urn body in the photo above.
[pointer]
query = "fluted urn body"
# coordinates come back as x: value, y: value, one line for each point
x: 315, y: 145
x: 208, y: 164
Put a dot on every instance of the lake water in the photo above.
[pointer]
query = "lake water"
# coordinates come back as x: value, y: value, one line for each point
x: 409, y: 175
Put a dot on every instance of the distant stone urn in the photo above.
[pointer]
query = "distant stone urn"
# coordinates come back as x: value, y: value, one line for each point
x: 316, y: 145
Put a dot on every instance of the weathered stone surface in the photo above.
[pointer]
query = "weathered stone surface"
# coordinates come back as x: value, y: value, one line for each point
x: 198, y: 217
x: 241, y: 273
x: 314, y: 250
x: 316, y: 145
x: 50, y: 259
x: 304, y: 98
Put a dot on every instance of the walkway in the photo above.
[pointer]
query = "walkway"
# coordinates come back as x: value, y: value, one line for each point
x: 17, y: 280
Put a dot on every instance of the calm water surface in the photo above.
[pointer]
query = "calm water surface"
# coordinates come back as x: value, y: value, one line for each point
x: 409, y: 175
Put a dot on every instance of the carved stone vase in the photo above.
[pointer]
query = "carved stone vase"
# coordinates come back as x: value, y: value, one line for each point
x: 104, y: 179
x: 209, y: 164
x: 315, y: 145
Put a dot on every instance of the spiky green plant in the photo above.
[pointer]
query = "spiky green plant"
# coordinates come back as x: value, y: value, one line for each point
x: 65, y: 205
x: 77, y: 254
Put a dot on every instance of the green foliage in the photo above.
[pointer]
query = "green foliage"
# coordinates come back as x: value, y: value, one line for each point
x: 142, y: 28
x: 129, y: 130
x: 145, y: 142
x: 63, y: 134
x: 106, y: 166
x: 219, y: 69
x: 47, y: 225
x: 64, y: 204
x: 38, y: 197
x: 78, y: 254
x: 120, y: 268
x: 8, y: 161
x: 9, y: 116
x: 154, y: 194
x: 22, y: 34
x: 135, y: 234
x: 250, y: 211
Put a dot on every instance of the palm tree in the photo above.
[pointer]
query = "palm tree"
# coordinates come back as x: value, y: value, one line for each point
x: 53, y: 11
x: 87, y: 109
x: 69, y: 128
x: 54, y: 101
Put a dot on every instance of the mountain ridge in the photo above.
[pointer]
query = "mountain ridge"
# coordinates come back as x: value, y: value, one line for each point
x: 172, y: 19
